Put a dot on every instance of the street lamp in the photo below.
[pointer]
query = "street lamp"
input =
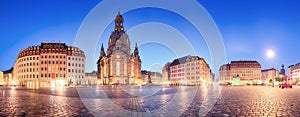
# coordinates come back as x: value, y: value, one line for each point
x: 270, y: 54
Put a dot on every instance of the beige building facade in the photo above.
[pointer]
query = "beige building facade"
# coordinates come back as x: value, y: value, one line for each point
x: 118, y: 65
x: 294, y: 72
x: 8, y: 77
x: 149, y: 77
x: 269, y: 74
x: 166, y: 73
x: 49, y: 65
x: 91, y: 79
x: 248, y: 71
x: 224, y: 73
x: 189, y: 70
x: 1, y: 78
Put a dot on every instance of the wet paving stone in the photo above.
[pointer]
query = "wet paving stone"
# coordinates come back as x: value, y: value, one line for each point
x: 258, y: 101
x: 117, y: 101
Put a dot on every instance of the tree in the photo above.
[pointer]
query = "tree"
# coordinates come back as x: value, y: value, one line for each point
x: 270, y: 81
x: 297, y: 80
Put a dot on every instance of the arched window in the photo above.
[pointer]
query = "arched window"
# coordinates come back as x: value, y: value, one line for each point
x: 118, y: 68
x: 125, y: 69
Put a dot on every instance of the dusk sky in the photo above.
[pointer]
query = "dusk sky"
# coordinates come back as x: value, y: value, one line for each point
x: 249, y: 28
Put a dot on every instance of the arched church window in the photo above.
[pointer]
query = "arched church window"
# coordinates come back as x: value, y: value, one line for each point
x: 118, y: 68
x: 125, y: 69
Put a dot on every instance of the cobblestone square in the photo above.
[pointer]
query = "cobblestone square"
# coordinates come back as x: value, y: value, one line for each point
x: 150, y: 101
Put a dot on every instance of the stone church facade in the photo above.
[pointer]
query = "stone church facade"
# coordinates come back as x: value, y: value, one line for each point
x: 118, y: 65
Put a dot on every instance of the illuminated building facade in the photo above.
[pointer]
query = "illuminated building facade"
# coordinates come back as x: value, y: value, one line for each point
x: 166, y: 73
x: 269, y: 74
x: 189, y: 70
x: 50, y: 64
x: 91, y: 79
x: 247, y: 71
x: 8, y: 77
x: 1, y: 78
x: 118, y: 65
x: 224, y: 73
x: 294, y: 72
x: 151, y: 77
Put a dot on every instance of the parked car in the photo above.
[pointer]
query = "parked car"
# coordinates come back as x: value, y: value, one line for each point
x: 285, y: 85
x: 225, y: 83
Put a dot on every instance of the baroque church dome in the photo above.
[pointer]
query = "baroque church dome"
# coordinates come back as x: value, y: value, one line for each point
x: 119, y: 40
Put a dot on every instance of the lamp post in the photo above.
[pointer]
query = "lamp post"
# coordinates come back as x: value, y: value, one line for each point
x: 270, y: 54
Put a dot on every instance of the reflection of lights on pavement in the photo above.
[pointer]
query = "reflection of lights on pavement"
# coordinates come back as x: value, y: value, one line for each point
x: 163, y: 88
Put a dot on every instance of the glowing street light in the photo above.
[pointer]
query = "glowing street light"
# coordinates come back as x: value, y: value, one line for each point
x: 271, y: 54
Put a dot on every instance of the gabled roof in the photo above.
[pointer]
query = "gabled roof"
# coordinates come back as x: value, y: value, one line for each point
x: 178, y: 61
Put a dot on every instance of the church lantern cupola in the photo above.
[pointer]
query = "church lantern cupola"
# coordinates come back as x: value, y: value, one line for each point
x: 119, y: 22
